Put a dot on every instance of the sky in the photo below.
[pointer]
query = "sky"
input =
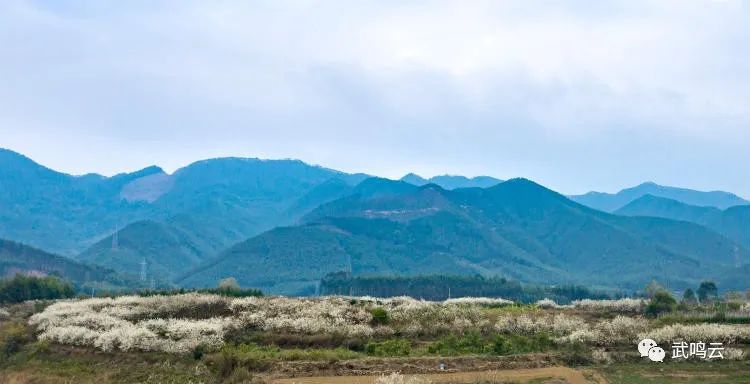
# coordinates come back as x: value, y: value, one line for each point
x: 575, y: 95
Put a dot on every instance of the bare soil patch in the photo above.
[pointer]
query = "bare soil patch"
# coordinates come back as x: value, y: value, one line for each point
x: 555, y: 374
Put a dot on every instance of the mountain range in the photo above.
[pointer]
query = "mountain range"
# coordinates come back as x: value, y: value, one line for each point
x: 282, y: 225
x: 731, y: 222
x: 205, y: 206
x: 517, y: 229
x: 611, y: 202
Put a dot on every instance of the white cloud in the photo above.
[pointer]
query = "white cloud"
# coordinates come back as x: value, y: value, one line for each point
x: 505, y: 88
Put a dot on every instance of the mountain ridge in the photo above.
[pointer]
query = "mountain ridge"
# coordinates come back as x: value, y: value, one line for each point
x: 610, y: 202
x: 731, y: 222
x: 516, y: 229
x: 452, y: 181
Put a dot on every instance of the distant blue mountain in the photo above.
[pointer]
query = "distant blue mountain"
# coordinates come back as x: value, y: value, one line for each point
x: 283, y: 224
x: 609, y: 202
x: 453, y: 182
x: 220, y: 201
x: 731, y: 222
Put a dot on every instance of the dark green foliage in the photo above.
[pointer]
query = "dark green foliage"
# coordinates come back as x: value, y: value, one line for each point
x: 242, y: 292
x: 199, y: 351
x: 21, y: 288
x: 661, y: 302
x: 708, y: 292
x: 436, y: 288
x: 379, y: 316
x: 389, y: 348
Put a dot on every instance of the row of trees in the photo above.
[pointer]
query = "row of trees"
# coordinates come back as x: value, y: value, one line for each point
x: 24, y: 287
x: 441, y: 287
x: 707, y: 294
x: 21, y: 288
x: 225, y: 287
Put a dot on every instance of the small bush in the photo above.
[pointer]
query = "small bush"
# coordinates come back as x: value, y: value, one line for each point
x: 231, y: 358
x: 199, y: 351
x: 661, y: 302
x: 379, y: 316
x: 13, y: 336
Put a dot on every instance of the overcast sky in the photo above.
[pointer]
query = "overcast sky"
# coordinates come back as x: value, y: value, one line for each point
x: 591, y: 95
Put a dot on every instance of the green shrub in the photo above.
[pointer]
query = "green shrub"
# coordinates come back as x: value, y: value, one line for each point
x: 661, y: 302
x: 474, y: 343
x: 13, y: 336
x: 395, y: 347
x: 379, y: 316
x: 452, y: 345
x: 256, y: 358
x: 199, y: 351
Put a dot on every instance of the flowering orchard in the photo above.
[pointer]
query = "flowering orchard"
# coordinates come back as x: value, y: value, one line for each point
x: 179, y: 324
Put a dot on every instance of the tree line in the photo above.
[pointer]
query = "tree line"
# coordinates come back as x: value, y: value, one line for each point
x: 22, y: 287
x: 441, y: 287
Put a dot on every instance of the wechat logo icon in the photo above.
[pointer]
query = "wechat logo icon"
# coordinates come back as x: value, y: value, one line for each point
x: 648, y: 348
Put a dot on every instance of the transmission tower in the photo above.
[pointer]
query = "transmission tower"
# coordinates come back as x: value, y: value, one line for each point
x: 115, y: 240
x: 143, y: 269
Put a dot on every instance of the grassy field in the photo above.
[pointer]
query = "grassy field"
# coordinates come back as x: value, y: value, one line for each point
x: 723, y: 372
x: 43, y: 363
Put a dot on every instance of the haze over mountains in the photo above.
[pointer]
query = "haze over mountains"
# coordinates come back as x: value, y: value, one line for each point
x: 453, y: 181
x: 609, y: 202
x: 281, y: 225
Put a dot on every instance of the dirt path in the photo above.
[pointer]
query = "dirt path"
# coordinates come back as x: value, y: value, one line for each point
x: 571, y: 376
